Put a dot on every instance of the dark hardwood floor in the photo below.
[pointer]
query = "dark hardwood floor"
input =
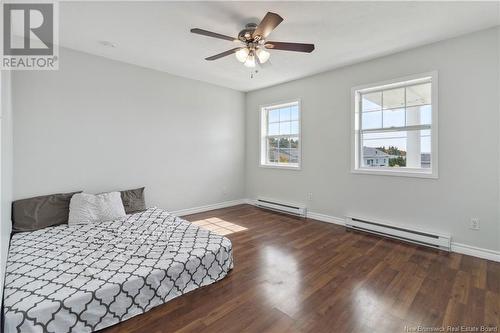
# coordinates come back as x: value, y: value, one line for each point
x: 301, y: 275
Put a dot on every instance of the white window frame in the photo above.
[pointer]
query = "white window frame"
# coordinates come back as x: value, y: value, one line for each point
x: 356, y: 167
x: 263, y: 159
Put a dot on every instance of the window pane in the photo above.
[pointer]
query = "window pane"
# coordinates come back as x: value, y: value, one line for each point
x: 425, y: 161
x: 285, y: 114
x: 370, y: 102
x: 397, y: 149
x: 274, y: 129
x: 426, y: 148
x: 398, y: 111
x: 285, y: 128
x: 284, y: 155
x: 371, y: 119
x: 393, y: 98
x: 273, y: 155
x: 272, y: 143
x: 385, y: 149
x: 418, y: 95
x: 386, y: 140
x: 419, y: 115
x: 295, y: 112
x: 394, y: 118
x: 281, y: 146
x: 274, y: 115
x: 284, y: 143
x: 294, y: 151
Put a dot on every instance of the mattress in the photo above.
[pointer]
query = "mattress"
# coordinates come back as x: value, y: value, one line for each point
x: 87, y: 277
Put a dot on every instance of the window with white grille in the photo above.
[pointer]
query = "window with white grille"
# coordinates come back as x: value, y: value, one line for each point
x: 280, y: 135
x: 395, y: 127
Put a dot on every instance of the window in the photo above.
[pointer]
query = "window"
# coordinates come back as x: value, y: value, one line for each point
x: 280, y: 135
x: 395, y: 124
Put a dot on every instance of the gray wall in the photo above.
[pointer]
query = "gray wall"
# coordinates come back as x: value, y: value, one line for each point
x: 100, y: 125
x: 468, y: 143
x: 6, y: 171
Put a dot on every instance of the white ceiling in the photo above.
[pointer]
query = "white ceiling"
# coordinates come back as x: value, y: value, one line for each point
x: 156, y: 34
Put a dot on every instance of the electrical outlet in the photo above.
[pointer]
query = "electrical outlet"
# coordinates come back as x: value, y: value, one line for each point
x: 309, y: 196
x: 474, y: 223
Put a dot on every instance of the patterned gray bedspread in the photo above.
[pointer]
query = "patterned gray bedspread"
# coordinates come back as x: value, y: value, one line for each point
x: 88, y: 277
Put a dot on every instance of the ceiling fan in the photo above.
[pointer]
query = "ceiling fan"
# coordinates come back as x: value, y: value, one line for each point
x: 254, y: 42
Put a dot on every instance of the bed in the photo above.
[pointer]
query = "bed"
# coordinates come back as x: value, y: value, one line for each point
x: 87, y: 277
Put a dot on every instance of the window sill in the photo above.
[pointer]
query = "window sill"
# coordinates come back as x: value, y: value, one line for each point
x: 280, y: 166
x: 398, y: 173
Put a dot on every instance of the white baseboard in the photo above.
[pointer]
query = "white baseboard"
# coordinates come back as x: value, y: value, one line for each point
x: 455, y: 247
x: 326, y: 218
x: 200, y: 209
x: 250, y: 201
x: 475, y: 251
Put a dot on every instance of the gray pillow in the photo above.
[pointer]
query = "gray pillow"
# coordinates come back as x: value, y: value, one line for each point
x: 40, y: 212
x: 133, y: 200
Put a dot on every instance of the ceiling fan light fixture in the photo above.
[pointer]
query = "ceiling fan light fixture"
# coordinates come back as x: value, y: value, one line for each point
x: 242, y: 54
x: 253, y: 42
x: 250, y: 62
x: 263, y: 55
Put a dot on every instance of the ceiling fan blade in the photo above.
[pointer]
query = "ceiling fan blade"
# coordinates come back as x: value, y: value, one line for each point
x: 297, y: 47
x: 212, y: 34
x: 268, y: 24
x: 223, y: 54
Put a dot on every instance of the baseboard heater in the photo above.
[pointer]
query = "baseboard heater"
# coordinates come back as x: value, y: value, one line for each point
x: 425, y: 238
x: 281, y: 207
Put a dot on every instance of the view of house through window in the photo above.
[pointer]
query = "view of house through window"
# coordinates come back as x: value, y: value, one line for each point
x: 280, y: 129
x: 394, y: 126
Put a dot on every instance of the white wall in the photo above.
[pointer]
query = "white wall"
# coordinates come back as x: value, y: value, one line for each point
x: 99, y: 125
x: 468, y: 183
x: 6, y: 171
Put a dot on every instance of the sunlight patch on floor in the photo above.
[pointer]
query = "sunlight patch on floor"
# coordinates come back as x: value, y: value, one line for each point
x: 369, y: 305
x: 282, y: 279
x: 219, y: 226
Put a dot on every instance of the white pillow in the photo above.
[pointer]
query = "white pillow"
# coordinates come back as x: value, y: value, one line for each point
x: 89, y: 208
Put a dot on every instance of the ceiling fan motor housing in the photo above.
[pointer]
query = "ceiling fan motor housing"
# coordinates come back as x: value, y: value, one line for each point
x: 254, y: 39
x: 246, y: 34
